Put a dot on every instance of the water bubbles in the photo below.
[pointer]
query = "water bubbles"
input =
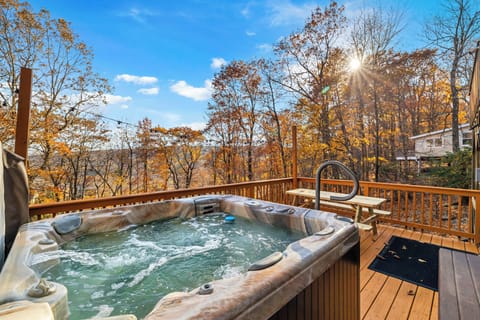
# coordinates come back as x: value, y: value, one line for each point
x: 120, y: 261
x: 116, y: 286
x: 103, y: 311
x: 129, y: 271
x: 228, y: 271
x: 137, y: 278
x: 97, y: 295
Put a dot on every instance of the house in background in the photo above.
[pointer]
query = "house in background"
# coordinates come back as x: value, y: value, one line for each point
x: 436, y: 144
x: 475, y: 114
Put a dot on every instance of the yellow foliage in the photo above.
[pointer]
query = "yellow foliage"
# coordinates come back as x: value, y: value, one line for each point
x: 63, y: 149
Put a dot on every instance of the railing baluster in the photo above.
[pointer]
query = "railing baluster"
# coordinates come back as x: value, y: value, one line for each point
x: 391, y: 201
x: 460, y: 213
x: 422, y: 208
x: 414, y: 207
x: 470, y: 214
x: 440, y: 210
x: 449, y: 212
x: 399, y: 203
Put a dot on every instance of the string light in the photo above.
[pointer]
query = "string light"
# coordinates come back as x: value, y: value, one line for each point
x: 119, y: 122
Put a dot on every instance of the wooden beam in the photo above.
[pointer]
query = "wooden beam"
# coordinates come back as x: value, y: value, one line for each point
x: 294, y: 157
x: 23, y: 113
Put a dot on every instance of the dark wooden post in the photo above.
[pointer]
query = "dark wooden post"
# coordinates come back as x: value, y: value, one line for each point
x: 294, y: 157
x: 23, y: 113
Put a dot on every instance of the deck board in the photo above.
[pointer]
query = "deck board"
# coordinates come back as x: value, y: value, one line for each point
x: 403, y: 300
x: 382, y: 304
x: 384, y: 297
x: 422, y: 305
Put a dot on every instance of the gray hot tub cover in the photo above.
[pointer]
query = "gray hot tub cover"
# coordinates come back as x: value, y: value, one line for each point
x: 13, y: 199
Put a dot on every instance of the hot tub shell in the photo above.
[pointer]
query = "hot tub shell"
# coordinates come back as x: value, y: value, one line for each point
x: 317, y: 277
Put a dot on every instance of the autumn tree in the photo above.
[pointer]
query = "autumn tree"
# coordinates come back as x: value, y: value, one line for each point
x: 145, y: 151
x: 344, y: 138
x: 181, y: 148
x: 113, y: 167
x: 108, y: 179
x: 82, y: 141
x: 237, y: 98
x: 224, y: 140
x: 21, y: 38
x: 420, y: 94
x: 64, y: 83
x: 276, y: 118
x: 372, y: 37
x: 454, y: 33
x: 305, y: 57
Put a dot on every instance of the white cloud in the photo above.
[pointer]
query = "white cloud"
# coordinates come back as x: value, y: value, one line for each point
x: 287, y: 13
x: 250, y: 33
x: 113, y: 99
x: 119, y: 101
x: 245, y: 12
x: 217, y: 63
x: 142, y: 80
x: 188, y: 91
x: 265, y: 47
x: 148, y: 91
x: 138, y: 14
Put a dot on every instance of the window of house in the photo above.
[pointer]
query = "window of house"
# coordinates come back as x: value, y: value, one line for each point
x: 434, y: 143
x: 467, y: 139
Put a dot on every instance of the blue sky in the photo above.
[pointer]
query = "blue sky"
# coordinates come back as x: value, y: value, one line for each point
x: 160, y: 56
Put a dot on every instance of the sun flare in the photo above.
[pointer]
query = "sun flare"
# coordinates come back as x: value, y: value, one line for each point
x: 355, y: 64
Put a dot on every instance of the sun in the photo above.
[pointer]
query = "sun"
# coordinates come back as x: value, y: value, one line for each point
x: 355, y: 64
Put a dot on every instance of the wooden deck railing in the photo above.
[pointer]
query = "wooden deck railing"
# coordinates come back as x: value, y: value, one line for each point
x: 271, y: 190
x: 441, y: 210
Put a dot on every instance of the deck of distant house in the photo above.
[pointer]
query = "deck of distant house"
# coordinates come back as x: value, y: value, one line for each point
x: 384, y: 297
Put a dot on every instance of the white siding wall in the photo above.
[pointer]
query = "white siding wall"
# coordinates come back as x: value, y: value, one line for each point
x: 437, y: 145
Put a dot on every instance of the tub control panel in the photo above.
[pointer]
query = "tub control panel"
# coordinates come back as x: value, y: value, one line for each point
x: 206, y: 205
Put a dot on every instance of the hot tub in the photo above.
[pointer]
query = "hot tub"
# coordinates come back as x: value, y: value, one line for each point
x: 315, y: 277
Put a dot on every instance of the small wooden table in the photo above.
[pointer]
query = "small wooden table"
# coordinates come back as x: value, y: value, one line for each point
x: 458, y: 285
x: 359, y: 204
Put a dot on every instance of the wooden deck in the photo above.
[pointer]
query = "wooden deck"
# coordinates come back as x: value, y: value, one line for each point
x: 384, y: 297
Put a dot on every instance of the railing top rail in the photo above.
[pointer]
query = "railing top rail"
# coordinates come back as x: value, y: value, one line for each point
x: 401, y: 187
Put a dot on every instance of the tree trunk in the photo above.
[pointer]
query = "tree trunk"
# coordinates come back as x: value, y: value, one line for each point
x: 455, y: 107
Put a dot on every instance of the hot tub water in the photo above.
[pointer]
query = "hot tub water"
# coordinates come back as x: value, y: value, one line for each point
x: 132, y: 269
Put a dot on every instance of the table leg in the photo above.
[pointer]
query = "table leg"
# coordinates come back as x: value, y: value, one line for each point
x: 294, y: 202
x: 358, y: 214
x: 374, y: 223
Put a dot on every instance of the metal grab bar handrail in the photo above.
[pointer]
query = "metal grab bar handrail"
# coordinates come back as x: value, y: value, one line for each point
x: 335, y: 198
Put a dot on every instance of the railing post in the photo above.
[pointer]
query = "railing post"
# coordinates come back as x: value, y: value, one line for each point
x: 251, y: 191
x: 23, y: 114
x: 476, y: 220
x: 294, y: 157
x: 366, y: 190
